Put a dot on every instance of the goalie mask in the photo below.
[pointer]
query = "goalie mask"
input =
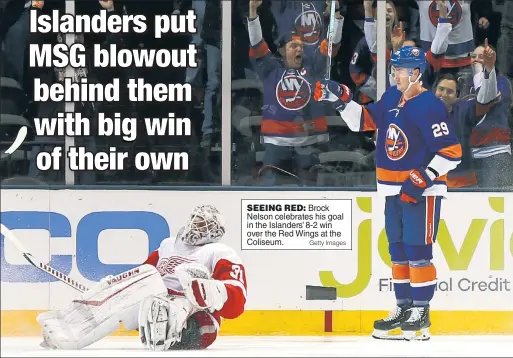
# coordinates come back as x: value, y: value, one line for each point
x: 205, y: 225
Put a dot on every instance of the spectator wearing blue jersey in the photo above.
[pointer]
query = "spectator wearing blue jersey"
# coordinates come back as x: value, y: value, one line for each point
x: 491, y: 137
x: 463, y: 117
x: 293, y: 126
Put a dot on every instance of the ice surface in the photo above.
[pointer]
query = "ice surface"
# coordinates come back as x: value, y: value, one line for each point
x: 334, y: 346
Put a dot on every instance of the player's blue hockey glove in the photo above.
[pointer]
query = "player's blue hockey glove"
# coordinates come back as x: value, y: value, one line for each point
x: 414, y: 186
x: 327, y: 90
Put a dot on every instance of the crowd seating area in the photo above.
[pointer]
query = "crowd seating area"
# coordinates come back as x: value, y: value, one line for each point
x: 345, y: 159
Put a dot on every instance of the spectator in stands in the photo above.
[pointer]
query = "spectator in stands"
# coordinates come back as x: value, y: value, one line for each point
x: 363, y: 62
x: 192, y: 73
x: 505, y: 45
x: 463, y: 118
x: 396, y: 36
x: 208, y: 40
x: 88, y: 110
x: 459, y: 41
x: 481, y: 122
x: 491, y: 137
x: 485, y: 21
x: 436, y: 55
x: 292, y: 124
x: 50, y: 110
x: 408, y: 13
x: 354, y: 20
x: 14, y: 35
x: 370, y: 26
x: 211, y: 34
x: 361, y: 69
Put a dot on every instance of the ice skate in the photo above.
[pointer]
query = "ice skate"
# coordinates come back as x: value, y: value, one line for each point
x: 416, y: 327
x: 390, y: 327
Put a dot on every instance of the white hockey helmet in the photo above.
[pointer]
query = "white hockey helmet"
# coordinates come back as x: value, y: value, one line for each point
x: 205, y: 225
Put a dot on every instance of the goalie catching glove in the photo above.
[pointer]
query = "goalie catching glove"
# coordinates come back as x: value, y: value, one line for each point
x: 327, y: 90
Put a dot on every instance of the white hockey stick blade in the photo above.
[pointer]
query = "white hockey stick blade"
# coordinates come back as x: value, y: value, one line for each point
x: 38, y: 263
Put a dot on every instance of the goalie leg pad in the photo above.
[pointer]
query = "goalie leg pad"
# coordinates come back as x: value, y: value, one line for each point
x: 162, y: 321
x: 99, y: 311
x: 154, y: 319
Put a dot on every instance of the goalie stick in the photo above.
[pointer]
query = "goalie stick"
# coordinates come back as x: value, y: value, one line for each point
x: 39, y: 264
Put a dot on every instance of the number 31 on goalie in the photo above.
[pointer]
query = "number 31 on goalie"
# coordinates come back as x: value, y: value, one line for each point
x: 440, y: 129
x: 237, y: 273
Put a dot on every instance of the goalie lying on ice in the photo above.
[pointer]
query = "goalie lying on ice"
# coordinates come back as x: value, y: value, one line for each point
x: 176, y: 299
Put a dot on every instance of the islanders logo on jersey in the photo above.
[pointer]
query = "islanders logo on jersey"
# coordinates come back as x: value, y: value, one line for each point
x: 396, y: 143
x: 454, y: 12
x: 293, y: 91
x: 309, y: 24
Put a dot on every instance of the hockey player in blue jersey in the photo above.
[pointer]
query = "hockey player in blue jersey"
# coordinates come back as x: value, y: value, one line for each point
x: 415, y: 150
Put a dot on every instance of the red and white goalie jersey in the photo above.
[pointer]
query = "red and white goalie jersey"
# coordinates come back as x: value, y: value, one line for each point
x: 221, y: 260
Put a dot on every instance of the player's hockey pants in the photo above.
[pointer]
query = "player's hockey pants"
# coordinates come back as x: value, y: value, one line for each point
x: 411, y: 231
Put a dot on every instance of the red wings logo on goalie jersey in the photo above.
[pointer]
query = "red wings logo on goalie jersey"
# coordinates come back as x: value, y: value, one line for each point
x: 293, y: 91
x: 167, y: 265
x: 396, y: 144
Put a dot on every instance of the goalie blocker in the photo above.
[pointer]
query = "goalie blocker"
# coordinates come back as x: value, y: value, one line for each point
x: 176, y: 299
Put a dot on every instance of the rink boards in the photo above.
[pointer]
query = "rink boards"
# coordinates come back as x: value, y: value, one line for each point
x: 316, y: 262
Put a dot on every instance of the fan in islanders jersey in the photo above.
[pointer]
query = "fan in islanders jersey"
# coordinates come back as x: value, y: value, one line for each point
x: 416, y: 148
x: 289, y: 117
x: 176, y: 299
